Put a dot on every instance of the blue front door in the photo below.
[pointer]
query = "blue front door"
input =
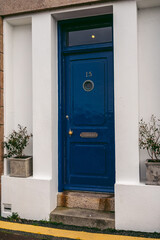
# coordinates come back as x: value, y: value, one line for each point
x: 88, y: 124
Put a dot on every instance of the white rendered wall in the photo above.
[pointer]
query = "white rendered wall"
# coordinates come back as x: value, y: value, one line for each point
x: 126, y: 92
x: 22, y: 79
x: 137, y: 205
x: 149, y: 68
x: 40, y: 191
x: 18, y: 58
x: 30, y: 197
x: 45, y: 104
x: 35, y: 197
x: 31, y: 99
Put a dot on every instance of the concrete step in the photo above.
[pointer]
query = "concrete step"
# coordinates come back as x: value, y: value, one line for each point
x: 83, y: 217
x: 87, y: 200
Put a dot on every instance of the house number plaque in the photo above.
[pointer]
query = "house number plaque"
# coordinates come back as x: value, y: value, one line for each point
x: 88, y: 134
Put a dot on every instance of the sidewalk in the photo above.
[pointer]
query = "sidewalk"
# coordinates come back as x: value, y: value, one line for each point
x: 61, y: 233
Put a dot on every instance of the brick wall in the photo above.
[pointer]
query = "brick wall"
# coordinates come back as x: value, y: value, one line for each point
x: 1, y: 99
x: 10, y: 7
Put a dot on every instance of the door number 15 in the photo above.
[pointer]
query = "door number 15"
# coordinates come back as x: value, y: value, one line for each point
x: 88, y: 74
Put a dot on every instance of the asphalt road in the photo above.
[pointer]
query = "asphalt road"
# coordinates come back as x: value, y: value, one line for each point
x: 5, y: 235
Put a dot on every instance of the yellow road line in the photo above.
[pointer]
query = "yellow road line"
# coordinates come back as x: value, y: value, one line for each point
x: 64, y: 233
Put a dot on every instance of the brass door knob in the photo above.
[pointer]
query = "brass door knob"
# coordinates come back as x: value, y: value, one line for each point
x: 70, y: 132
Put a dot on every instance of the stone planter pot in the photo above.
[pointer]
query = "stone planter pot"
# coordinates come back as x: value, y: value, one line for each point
x: 20, y: 167
x: 152, y: 173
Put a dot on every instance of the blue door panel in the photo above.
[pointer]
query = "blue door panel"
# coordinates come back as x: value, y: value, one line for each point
x: 94, y: 111
x: 79, y: 164
x: 89, y: 152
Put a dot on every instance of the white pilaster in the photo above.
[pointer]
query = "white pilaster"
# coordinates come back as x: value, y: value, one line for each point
x: 126, y: 92
x: 43, y: 104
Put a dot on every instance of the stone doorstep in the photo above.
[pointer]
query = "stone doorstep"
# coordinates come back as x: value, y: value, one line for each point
x: 83, y: 217
x: 86, y: 200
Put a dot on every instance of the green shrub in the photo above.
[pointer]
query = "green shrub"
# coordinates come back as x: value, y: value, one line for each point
x: 16, y: 142
x: 149, y: 137
x: 14, y: 217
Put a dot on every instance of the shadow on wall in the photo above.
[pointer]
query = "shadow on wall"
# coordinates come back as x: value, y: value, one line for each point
x: 143, y: 156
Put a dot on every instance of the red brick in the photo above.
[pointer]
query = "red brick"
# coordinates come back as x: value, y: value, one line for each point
x: 1, y: 79
x: 1, y: 25
x: 1, y: 43
x: 1, y: 62
x: 1, y: 115
x: 1, y: 136
x: 1, y: 97
x: 1, y: 148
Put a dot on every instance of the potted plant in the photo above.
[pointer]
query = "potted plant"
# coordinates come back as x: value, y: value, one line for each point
x: 150, y: 140
x: 16, y: 142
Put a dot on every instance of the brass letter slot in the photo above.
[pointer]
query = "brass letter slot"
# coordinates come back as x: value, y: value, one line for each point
x: 88, y: 135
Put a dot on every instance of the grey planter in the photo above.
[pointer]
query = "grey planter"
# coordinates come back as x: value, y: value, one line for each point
x: 20, y: 167
x: 152, y: 173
